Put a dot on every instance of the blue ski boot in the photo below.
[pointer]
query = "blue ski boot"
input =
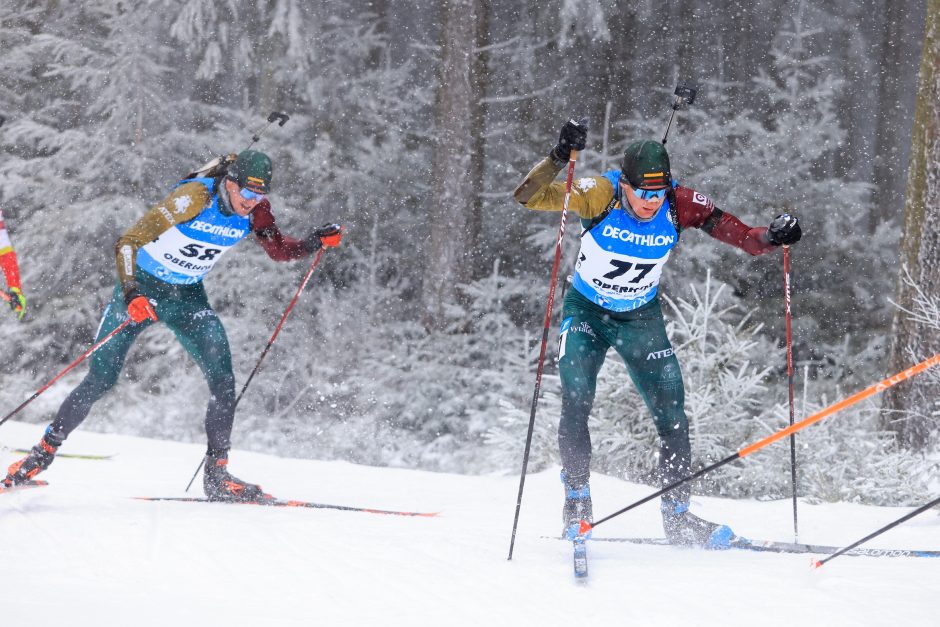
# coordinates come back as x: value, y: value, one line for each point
x: 685, y: 528
x: 577, y: 508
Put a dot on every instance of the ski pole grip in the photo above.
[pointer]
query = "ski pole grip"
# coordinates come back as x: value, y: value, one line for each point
x: 280, y: 118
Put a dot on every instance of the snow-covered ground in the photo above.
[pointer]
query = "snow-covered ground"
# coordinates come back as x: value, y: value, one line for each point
x: 81, y: 552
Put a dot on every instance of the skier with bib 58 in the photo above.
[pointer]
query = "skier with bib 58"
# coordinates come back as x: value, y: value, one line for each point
x: 631, y: 218
x: 161, y: 262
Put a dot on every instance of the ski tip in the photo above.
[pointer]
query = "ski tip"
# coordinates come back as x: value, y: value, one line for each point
x: 584, y: 528
x: 816, y: 564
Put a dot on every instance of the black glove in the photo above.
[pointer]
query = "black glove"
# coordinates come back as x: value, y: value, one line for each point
x: 328, y: 235
x: 573, y: 137
x: 784, y: 230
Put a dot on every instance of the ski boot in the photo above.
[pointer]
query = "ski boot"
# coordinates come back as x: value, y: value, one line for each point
x: 685, y: 528
x: 577, y: 508
x: 38, y: 460
x: 219, y: 485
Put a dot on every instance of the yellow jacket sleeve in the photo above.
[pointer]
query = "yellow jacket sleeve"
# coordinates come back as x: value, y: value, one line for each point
x: 590, y: 195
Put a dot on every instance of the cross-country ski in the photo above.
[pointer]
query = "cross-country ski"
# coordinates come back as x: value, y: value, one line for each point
x: 772, y: 546
x: 275, y: 502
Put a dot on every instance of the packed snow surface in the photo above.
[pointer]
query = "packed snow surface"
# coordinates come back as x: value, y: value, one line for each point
x: 82, y: 552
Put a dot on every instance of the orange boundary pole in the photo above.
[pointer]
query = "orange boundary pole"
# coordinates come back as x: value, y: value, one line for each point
x: 747, y: 450
x: 846, y: 402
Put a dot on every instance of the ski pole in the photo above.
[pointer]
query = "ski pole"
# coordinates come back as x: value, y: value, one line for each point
x: 685, y: 95
x: 4, y: 296
x: 747, y: 450
x: 906, y: 517
x: 545, y: 327
x: 274, y: 116
x: 69, y: 367
x: 257, y: 367
x: 786, y: 298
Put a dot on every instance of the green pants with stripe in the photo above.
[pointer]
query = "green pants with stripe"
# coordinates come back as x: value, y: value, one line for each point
x: 639, y: 337
x: 186, y: 311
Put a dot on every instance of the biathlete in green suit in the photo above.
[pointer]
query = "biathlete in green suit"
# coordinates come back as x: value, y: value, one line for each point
x: 631, y: 219
x: 161, y: 262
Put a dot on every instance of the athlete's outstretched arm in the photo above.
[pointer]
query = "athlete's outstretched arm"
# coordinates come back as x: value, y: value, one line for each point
x: 697, y: 210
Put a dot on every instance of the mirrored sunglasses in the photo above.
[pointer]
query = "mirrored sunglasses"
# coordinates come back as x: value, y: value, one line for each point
x: 649, y: 194
x: 247, y: 194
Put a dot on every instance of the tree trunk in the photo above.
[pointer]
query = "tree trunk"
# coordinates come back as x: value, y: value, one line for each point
x: 454, y: 199
x: 896, y: 69
x: 478, y: 264
x: 910, y: 408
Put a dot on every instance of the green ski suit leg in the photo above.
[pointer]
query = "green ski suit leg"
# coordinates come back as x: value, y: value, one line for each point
x: 639, y: 337
x: 186, y: 311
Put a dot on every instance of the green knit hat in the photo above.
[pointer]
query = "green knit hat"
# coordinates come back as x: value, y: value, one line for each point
x: 252, y: 170
x: 646, y: 164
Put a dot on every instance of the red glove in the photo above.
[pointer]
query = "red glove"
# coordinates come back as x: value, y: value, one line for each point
x: 140, y: 309
x: 327, y: 236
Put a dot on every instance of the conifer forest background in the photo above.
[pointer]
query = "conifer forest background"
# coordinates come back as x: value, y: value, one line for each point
x: 411, y: 122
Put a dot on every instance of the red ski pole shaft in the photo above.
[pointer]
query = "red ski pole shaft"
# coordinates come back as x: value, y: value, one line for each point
x: 69, y: 367
x: 267, y: 347
x: 747, y: 450
x: 786, y: 297
x: 280, y: 324
x: 545, y: 328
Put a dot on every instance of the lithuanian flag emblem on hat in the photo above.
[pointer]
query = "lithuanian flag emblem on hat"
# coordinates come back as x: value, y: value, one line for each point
x: 654, y: 179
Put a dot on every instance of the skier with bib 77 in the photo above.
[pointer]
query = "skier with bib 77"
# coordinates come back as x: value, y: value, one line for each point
x: 161, y: 262
x: 631, y: 219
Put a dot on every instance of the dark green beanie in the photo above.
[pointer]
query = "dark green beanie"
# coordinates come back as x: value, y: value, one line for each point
x: 252, y: 170
x: 646, y: 164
